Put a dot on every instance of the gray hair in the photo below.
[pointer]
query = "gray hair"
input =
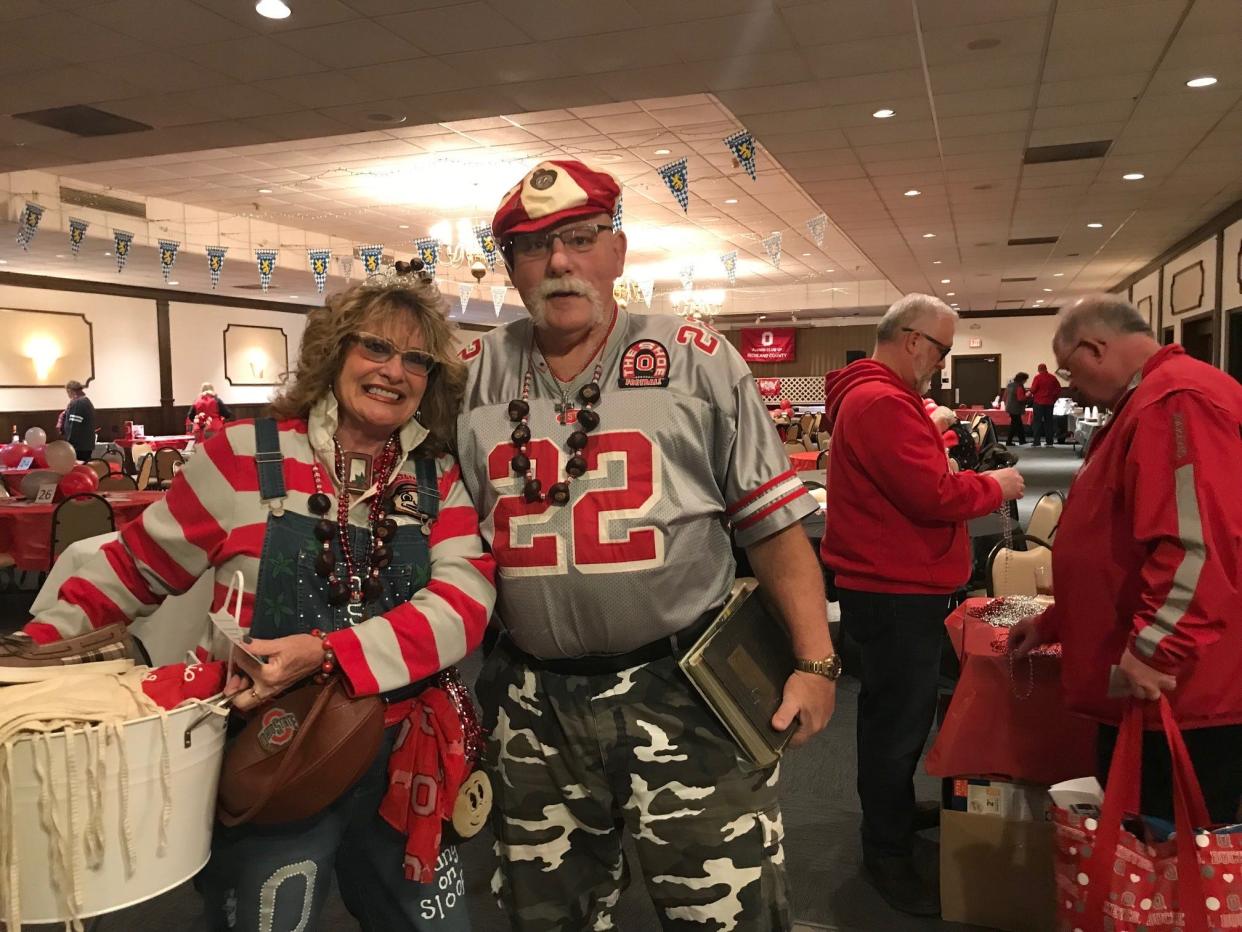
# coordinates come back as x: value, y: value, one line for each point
x: 1108, y: 312
x: 905, y: 312
x: 207, y: 389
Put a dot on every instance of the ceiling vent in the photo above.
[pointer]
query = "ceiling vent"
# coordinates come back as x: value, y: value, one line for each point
x: 1030, y: 278
x: 1070, y: 152
x: 82, y: 120
x: 112, y: 205
x: 1010, y: 305
x: 1034, y: 241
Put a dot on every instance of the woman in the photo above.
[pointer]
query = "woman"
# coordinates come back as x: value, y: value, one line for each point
x: 371, y: 405
x: 1016, y: 399
x: 207, y: 415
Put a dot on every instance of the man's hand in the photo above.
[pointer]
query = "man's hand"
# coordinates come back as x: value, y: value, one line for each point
x: 289, y: 661
x: 809, y: 697
x: 1024, y: 637
x: 944, y: 418
x: 1142, y: 681
x: 1011, y: 483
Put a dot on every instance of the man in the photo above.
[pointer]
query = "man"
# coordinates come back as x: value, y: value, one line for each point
x: 1148, y: 555
x: 896, y: 541
x: 611, y: 457
x: 1045, y: 390
x: 79, y: 421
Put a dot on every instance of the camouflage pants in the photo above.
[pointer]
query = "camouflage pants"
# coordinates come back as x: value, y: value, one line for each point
x: 576, y: 760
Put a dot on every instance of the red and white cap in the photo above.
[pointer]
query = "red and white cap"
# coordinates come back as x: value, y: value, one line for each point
x: 552, y: 193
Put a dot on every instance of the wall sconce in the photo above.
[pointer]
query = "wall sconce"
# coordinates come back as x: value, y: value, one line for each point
x: 43, y: 352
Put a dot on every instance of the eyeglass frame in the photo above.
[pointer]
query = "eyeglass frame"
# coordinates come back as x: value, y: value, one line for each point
x: 421, y: 357
x: 944, y: 350
x: 1063, y: 372
x: 510, y: 244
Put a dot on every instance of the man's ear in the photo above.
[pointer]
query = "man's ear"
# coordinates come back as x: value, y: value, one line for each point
x: 621, y: 246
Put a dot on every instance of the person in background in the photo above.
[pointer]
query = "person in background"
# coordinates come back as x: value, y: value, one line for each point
x: 1016, y: 400
x: 207, y: 415
x: 1148, y: 557
x: 1045, y: 390
x: 78, y: 421
x: 896, y: 541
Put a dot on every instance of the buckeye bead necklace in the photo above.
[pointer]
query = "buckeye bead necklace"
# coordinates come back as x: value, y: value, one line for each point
x: 353, y: 586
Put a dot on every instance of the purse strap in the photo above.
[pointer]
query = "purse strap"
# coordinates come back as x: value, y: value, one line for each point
x: 287, y: 757
x: 1123, y: 795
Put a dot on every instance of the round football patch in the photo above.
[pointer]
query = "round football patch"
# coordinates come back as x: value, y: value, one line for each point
x: 543, y: 179
x: 644, y: 365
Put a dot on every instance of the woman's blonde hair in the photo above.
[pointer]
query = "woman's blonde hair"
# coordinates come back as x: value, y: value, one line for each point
x: 401, y: 300
x: 207, y: 389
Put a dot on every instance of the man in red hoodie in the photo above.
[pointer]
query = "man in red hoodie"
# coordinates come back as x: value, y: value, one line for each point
x: 1148, y: 555
x: 1045, y: 390
x: 896, y: 540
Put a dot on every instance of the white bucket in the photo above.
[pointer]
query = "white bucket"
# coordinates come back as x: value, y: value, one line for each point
x: 194, y: 774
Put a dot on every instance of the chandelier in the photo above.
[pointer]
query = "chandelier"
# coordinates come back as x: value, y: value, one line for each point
x: 697, y: 305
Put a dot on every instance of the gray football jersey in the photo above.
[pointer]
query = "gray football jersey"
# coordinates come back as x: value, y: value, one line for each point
x: 685, y: 455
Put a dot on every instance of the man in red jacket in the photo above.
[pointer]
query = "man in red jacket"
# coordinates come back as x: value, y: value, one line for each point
x: 896, y: 540
x: 1148, y: 554
x: 1045, y: 390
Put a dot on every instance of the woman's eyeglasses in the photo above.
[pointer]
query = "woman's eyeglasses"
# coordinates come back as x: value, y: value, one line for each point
x: 575, y: 239
x: 377, y: 349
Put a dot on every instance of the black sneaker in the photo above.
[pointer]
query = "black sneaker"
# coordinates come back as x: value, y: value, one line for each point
x: 926, y: 815
x: 901, y: 886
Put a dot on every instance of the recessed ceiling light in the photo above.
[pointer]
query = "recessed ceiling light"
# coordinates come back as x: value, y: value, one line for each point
x: 1058, y: 274
x: 1047, y: 289
x: 731, y: 200
x: 403, y: 226
x: 913, y: 192
x: 293, y: 296
x: 944, y: 281
x: 950, y: 294
x: 1095, y: 226
x: 107, y: 253
x: 1205, y: 81
x: 174, y: 282
x: 935, y: 261
x: 1133, y: 176
x: 60, y: 255
x: 265, y: 190
x: 884, y: 114
x: 929, y: 236
x: 272, y: 9
x: 829, y: 270
x: 662, y: 151
x: 806, y: 254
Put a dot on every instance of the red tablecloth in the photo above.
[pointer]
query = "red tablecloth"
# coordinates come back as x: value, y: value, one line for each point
x: 988, y: 730
x: 999, y: 416
x: 178, y: 441
x: 805, y: 462
x: 13, y: 479
x: 26, y: 528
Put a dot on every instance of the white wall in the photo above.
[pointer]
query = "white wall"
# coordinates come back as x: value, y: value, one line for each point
x: 1021, y: 342
x: 126, y: 357
x: 196, y: 333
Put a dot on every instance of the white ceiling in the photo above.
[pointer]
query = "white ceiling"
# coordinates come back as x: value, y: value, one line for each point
x: 259, y: 103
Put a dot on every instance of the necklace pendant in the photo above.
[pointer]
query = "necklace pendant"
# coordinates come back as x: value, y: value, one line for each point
x: 425, y: 527
x: 355, y: 590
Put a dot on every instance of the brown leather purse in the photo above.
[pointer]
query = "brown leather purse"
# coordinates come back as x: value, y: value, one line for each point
x: 298, y: 755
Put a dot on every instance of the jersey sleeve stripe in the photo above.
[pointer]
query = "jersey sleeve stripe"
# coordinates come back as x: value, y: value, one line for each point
x: 771, y: 483
x: 775, y: 506
x: 787, y: 487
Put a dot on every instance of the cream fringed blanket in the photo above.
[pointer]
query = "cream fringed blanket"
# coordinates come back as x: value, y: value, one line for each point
x: 99, y: 704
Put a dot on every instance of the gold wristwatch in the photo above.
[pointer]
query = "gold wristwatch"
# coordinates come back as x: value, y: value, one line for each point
x: 829, y: 667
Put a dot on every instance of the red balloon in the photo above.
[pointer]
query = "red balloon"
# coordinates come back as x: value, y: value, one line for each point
x: 40, y: 456
x: 14, y: 453
x: 79, y: 479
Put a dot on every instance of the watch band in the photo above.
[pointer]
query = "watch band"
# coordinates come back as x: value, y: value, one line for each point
x: 828, y: 667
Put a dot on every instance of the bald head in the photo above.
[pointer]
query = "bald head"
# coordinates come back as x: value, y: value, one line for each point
x: 1104, y: 315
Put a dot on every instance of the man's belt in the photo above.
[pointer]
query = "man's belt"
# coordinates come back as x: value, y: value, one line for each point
x: 595, y: 664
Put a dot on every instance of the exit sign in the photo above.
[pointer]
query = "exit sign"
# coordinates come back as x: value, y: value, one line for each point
x: 975, y: 342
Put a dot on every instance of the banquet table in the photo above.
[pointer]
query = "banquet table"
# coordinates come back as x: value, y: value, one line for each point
x: 26, y: 527
x: 12, y: 478
x: 999, y: 416
x: 177, y: 441
x: 805, y: 461
x: 1006, y: 719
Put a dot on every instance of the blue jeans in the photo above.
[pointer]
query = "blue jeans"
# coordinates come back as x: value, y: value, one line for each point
x: 276, y: 878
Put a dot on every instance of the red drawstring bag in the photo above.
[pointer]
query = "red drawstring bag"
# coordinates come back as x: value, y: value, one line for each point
x: 1109, y: 879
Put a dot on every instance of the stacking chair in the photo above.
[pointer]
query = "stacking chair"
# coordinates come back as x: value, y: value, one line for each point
x: 1012, y: 572
x: 164, y: 468
x: 100, y: 466
x: 114, y: 458
x: 146, y: 468
x: 79, y: 517
x: 118, y: 482
x: 795, y: 446
x: 1045, y: 516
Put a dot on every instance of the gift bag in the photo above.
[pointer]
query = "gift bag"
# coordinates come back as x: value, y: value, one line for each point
x: 1109, y: 880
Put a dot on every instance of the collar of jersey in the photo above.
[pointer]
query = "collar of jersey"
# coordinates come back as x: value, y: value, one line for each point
x: 610, y: 353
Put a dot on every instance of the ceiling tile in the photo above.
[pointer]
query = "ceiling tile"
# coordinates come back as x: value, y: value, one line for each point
x: 349, y: 44
x: 464, y: 27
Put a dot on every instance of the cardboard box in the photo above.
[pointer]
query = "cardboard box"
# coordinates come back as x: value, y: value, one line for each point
x: 1023, y: 802
x: 997, y: 872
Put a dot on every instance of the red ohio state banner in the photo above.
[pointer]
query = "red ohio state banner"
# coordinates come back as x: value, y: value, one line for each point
x: 769, y: 388
x: 775, y: 344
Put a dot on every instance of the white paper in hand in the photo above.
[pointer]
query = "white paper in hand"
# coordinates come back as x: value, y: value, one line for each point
x: 228, y: 619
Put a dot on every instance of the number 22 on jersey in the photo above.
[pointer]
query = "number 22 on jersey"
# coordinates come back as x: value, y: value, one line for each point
x: 540, y: 539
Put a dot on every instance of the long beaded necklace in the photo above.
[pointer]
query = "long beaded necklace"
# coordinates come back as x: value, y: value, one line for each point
x: 587, y: 420
x: 353, y: 587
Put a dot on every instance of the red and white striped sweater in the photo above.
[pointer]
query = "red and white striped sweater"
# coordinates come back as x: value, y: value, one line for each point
x: 213, y: 518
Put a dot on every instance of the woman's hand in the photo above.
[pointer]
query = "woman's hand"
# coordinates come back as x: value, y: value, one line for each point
x: 289, y: 660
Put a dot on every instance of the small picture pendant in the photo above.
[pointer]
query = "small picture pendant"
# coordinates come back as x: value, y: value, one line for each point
x: 357, y: 472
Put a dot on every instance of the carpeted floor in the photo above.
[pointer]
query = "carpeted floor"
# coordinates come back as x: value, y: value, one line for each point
x: 820, y: 806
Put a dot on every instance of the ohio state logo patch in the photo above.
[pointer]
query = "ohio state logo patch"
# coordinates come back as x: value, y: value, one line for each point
x: 278, y: 729
x: 644, y: 365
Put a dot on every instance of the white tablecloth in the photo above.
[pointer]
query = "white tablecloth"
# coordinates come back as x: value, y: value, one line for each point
x: 177, y: 626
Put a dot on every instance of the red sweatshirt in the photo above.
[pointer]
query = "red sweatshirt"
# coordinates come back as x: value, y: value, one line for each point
x: 1148, y: 553
x: 896, y: 514
x: 1045, y: 389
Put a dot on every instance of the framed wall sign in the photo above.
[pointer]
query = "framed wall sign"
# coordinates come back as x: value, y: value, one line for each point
x: 255, y: 355
x: 44, y: 349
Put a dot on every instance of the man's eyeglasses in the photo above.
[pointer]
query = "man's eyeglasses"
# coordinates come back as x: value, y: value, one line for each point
x: 944, y: 350
x: 377, y: 349
x: 575, y: 239
x: 1064, y: 372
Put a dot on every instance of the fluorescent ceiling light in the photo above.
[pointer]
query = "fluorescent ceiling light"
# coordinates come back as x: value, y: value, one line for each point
x: 1047, y: 289
x: 884, y: 114
x: 1205, y: 81
x: 174, y: 282
x: 950, y: 294
x: 1058, y: 274
x: 662, y: 151
x: 935, y: 261
x: 731, y: 200
x: 272, y: 9
x: 944, y: 281
x: 929, y: 236
x: 265, y: 190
